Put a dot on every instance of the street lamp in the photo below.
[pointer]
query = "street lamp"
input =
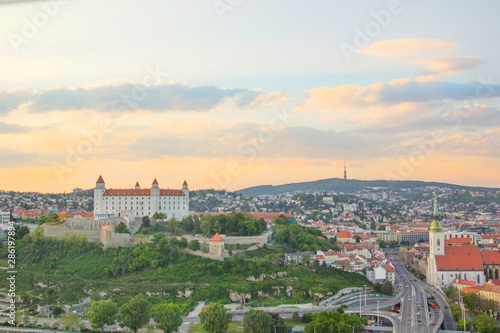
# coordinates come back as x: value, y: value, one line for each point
x: 360, y: 299
x: 378, y: 312
x: 365, y: 293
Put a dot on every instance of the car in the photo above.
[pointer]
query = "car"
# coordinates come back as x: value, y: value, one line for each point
x: 433, y: 323
x: 409, y: 318
x: 436, y: 311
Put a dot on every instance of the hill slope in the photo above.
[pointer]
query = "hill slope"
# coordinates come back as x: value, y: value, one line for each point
x: 348, y: 186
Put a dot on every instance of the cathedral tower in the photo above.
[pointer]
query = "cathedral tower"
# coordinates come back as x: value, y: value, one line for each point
x: 436, y: 247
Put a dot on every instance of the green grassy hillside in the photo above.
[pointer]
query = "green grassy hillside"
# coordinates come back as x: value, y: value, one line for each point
x: 65, y: 271
x: 347, y: 186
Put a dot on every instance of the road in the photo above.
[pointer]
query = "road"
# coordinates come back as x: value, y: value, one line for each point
x: 415, y: 314
x: 417, y: 291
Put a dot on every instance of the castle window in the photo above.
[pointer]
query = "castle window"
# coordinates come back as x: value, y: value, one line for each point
x: 438, y: 242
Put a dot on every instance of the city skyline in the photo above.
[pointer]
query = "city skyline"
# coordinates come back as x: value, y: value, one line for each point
x: 236, y: 94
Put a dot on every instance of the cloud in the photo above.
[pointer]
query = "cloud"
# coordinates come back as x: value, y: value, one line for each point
x: 12, y: 128
x: 409, y: 47
x: 248, y: 141
x: 449, y: 65
x: 354, y: 97
x: 434, y: 54
x: 125, y: 95
x: 420, y: 117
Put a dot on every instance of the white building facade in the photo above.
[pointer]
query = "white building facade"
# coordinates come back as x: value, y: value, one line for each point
x: 137, y: 202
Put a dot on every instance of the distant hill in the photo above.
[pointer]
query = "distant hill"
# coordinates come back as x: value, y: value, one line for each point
x: 348, y: 186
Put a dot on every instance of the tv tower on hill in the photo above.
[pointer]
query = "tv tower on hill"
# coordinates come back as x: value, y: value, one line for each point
x: 345, y: 172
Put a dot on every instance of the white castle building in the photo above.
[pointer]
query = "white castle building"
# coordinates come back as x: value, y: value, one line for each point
x: 137, y: 202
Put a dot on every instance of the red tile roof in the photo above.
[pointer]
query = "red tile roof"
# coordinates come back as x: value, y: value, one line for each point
x: 142, y: 191
x: 137, y: 184
x: 456, y: 240
x: 470, y: 290
x: 155, y: 182
x: 496, y: 282
x: 491, y: 288
x: 106, y: 227
x: 490, y: 257
x: 344, y: 234
x: 464, y: 282
x: 388, y: 268
x: 257, y: 215
x: 217, y: 238
x: 185, y: 183
x: 489, y: 236
x: 460, y: 258
x: 100, y: 180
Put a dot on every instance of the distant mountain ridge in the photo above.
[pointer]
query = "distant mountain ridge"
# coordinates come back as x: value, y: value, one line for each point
x: 349, y: 186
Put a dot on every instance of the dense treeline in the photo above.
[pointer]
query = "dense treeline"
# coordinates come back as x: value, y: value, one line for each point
x: 302, y: 238
x: 233, y: 224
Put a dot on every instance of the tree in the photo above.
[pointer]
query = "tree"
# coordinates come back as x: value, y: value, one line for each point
x: 56, y: 311
x: 280, y: 220
x: 357, y: 238
x: 257, y: 321
x: 204, y: 247
x: 278, y: 323
x: 69, y: 320
x: 194, y: 245
x: 121, y: 228
x: 168, y: 317
x: 215, y: 318
x: 146, y: 222
x: 157, y: 237
x: 485, y: 324
x: 52, y: 217
x: 295, y: 317
x: 24, y: 230
x: 102, y: 313
x: 42, y: 219
x: 135, y: 313
x: 184, y: 242
x: 460, y: 324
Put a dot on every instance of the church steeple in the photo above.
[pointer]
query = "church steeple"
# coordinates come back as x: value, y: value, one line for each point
x: 345, y: 171
x: 436, y: 225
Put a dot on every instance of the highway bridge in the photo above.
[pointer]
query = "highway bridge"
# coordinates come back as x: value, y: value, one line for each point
x: 411, y: 296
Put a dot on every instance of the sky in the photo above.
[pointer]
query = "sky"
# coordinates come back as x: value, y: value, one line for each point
x: 228, y: 94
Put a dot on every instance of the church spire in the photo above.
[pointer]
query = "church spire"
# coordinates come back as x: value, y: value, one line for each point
x: 436, y: 225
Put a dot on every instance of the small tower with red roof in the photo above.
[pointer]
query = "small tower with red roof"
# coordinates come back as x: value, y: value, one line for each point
x: 185, y: 189
x: 216, y: 245
x: 155, y: 189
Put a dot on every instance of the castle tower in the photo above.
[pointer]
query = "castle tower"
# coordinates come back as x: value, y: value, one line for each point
x: 155, y: 197
x: 185, y: 189
x: 436, y: 247
x: 345, y: 171
x: 155, y: 189
x: 99, y: 190
x: 137, y: 186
